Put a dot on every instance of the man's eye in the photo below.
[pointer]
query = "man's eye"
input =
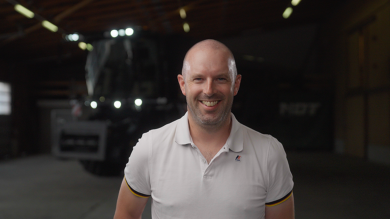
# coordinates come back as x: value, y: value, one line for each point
x: 222, y: 79
x: 197, y: 79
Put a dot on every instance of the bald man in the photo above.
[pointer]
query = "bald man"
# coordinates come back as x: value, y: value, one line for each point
x: 207, y: 164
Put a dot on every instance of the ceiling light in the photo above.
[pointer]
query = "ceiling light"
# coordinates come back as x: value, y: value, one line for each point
x: 183, y: 14
x: 75, y: 37
x: 93, y: 104
x: 129, y: 31
x: 114, y: 33
x: 117, y: 104
x: 186, y: 27
x: 49, y: 26
x: 295, y: 2
x: 287, y: 12
x: 24, y: 11
x: 102, y: 99
x: 82, y: 45
x: 89, y: 47
x: 121, y: 32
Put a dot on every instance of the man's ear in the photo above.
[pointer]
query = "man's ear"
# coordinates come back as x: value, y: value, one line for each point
x: 237, y: 83
x: 182, y: 84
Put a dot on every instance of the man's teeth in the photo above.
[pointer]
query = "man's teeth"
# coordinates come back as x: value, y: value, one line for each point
x: 207, y: 103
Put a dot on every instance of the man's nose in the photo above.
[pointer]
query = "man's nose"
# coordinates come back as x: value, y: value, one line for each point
x: 209, y: 89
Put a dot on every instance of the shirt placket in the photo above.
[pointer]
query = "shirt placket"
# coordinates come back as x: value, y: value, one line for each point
x: 203, y: 162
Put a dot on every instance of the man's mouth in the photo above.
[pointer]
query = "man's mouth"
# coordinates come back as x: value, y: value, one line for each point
x: 210, y: 103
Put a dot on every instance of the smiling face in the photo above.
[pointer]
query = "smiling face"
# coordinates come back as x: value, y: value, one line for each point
x: 208, y: 85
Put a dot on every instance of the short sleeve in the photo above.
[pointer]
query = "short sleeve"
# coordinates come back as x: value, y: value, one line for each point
x: 137, y: 169
x: 280, y: 182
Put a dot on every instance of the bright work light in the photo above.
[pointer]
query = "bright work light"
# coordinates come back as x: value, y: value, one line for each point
x: 93, y: 104
x: 138, y: 102
x: 117, y: 104
x: 129, y: 31
x: 75, y: 37
x: 121, y: 32
x: 114, y: 33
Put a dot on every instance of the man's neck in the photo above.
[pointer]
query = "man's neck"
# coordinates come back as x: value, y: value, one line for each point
x: 209, y: 136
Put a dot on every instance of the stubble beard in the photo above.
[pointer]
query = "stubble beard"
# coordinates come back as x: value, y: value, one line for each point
x: 210, y: 123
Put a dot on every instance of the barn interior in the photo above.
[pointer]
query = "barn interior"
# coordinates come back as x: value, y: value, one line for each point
x: 81, y: 80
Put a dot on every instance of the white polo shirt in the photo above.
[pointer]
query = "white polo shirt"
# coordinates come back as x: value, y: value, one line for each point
x: 249, y: 172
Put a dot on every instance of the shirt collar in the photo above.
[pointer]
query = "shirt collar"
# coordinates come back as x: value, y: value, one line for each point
x: 234, y: 142
x: 182, y: 135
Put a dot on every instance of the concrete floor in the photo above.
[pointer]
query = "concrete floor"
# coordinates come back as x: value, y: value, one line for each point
x: 326, y: 186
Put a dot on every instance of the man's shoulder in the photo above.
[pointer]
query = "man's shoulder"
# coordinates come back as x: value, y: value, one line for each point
x: 260, y: 141
x: 256, y: 135
x: 265, y: 145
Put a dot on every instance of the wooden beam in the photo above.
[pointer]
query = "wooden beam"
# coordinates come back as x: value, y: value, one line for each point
x: 71, y: 10
x: 176, y: 12
x: 141, y: 10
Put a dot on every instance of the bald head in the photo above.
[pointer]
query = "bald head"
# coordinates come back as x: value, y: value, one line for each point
x: 208, y: 47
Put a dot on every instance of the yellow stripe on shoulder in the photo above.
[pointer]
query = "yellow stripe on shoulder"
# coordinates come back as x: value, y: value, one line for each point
x: 141, y: 196
x: 281, y: 201
x: 132, y: 191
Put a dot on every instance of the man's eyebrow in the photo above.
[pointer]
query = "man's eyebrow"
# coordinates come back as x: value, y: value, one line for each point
x: 199, y: 75
x: 224, y: 75
x: 195, y: 75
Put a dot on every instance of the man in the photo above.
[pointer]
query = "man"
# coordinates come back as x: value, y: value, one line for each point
x: 206, y: 164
